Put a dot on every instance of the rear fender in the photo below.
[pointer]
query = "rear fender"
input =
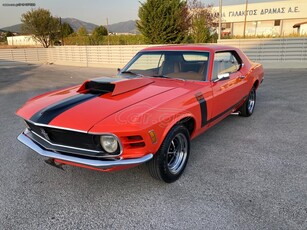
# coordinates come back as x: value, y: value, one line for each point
x: 258, y: 74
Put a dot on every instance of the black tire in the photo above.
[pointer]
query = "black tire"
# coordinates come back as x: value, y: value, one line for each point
x: 170, y: 161
x: 248, y: 106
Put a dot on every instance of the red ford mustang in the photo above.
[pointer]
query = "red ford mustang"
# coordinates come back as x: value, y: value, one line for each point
x: 164, y: 97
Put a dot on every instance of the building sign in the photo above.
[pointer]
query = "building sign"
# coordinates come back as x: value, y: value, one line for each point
x: 287, y: 9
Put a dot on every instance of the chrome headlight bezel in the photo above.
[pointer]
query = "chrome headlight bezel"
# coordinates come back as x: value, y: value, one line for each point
x: 110, y: 144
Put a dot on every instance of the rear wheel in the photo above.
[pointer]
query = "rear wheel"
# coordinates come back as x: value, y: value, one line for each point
x: 170, y: 161
x: 248, y: 106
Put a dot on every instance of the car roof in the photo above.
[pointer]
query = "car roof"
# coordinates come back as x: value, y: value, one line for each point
x: 192, y: 47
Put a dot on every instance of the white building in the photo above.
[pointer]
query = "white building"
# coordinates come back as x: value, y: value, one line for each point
x: 26, y: 40
x: 274, y: 18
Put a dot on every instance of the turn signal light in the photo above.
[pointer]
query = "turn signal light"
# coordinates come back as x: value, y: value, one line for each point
x: 153, y: 136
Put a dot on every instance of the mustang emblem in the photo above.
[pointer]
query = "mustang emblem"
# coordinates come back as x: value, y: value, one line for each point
x: 43, y: 132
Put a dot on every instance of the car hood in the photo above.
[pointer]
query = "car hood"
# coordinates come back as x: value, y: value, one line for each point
x: 80, y: 108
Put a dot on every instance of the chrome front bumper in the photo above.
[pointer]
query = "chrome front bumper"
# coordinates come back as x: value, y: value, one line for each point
x: 100, y: 164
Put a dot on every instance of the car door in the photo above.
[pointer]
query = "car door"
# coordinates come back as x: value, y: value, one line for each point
x: 226, y: 91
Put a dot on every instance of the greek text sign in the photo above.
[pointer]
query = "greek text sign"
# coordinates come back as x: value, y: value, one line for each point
x: 265, y: 11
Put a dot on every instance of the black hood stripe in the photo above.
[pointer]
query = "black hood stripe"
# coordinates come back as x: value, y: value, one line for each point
x: 47, y: 114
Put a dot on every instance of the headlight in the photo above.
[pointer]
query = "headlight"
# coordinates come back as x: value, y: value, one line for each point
x: 109, y: 143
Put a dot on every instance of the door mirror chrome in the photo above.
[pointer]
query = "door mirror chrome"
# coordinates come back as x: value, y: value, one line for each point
x: 221, y: 77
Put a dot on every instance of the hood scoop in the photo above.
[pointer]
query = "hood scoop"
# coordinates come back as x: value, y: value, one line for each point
x: 115, y: 86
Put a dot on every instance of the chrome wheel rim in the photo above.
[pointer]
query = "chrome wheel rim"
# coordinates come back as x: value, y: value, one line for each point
x: 177, y: 153
x: 251, y: 101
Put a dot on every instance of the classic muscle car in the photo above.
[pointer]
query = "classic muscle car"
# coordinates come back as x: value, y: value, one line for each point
x: 164, y: 97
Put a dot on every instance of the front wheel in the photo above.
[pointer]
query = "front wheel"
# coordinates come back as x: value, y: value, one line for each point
x: 248, y: 106
x: 170, y: 161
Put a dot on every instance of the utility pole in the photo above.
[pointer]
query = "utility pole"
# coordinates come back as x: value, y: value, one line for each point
x: 108, y: 32
x: 245, y: 15
x: 61, y: 30
x: 220, y: 19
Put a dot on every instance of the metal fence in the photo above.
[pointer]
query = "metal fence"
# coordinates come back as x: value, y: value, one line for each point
x: 282, y: 53
x: 31, y: 55
x: 103, y: 56
x: 272, y: 53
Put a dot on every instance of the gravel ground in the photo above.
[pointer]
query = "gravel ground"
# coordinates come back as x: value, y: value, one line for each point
x: 244, y: 173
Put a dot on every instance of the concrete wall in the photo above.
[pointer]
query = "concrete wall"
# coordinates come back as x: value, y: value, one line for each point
x: 272, y: 53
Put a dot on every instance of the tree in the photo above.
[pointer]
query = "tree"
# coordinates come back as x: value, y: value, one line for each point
x: 100, y: 31
x: 98, y: 35
x: 82, y: 31
x: 8, y: 34
x: 203, y: 21
x: 200, y: 30
x: 43, y: 27
x: 66, y: 29
x: 4, y: 35
x: 164, y: 21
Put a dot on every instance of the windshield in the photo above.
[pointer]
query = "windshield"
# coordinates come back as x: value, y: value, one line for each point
x: 189, y: 65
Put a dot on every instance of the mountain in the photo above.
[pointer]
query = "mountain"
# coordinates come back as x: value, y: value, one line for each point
x: 76, y: 24
x: 15, y: 28
x: 121, y: 27
x: 124, y: 27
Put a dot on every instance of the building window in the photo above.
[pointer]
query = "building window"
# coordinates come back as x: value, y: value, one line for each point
x: 277, y: 23
x: 226, y: 25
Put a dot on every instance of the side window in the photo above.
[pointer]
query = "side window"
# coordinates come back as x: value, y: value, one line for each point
x: 225, y: 62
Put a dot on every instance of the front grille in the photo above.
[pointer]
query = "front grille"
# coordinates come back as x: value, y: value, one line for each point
x: 67, y: 137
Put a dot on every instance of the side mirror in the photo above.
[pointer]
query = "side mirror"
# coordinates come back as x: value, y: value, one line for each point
x: 241, y: 66
x: 221, y: 77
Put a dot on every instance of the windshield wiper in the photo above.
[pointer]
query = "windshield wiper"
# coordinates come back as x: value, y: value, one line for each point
x: 167, y: 77
x: 161, y: 76
x: 133, y: 73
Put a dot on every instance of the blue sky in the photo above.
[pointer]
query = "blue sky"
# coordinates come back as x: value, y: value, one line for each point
x: 94, y: 11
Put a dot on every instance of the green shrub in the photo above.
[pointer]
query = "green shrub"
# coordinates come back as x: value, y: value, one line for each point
x: 105, y: 40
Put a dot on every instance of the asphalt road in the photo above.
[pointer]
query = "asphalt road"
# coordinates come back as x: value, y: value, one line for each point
x: 244, y: 173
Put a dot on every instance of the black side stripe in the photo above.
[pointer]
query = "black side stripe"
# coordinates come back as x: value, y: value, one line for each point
x: 203, y: 108
x: 226, y: 111
x: 47, y: 114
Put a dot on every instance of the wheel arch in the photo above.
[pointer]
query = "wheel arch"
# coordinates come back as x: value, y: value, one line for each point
x: 187, y: 120
x: 256, y: 84
x: 189, y: 123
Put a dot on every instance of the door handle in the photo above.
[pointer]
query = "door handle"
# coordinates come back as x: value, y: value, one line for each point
x: 241, y: 77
